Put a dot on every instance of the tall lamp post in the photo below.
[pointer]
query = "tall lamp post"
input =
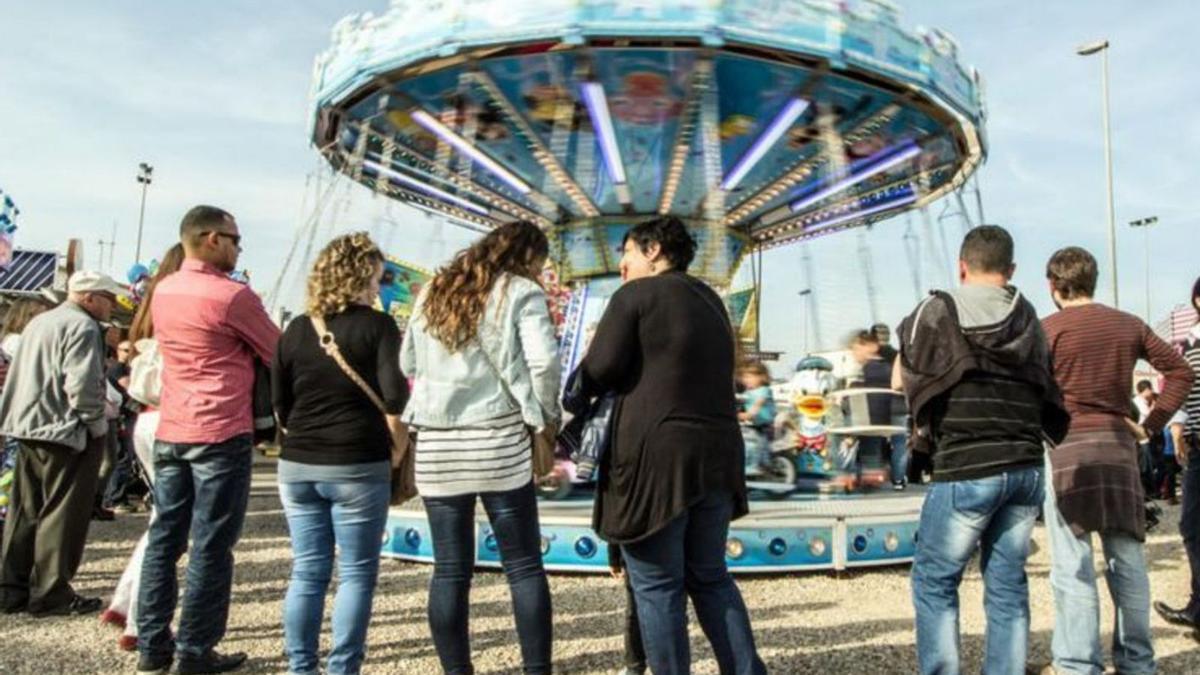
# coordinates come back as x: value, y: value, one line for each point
x: 1101, y: 47
x: 1145, y: 224
x: 804, y: 299
x: 145, y: 177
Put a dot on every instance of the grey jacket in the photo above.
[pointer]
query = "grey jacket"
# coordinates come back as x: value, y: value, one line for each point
x: 55, y: 390
x: 512, y: 366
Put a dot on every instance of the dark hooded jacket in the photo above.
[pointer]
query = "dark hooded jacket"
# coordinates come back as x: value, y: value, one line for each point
x: 937, y: 352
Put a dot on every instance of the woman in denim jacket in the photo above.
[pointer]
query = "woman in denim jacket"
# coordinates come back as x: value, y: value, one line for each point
x: 484, y: 361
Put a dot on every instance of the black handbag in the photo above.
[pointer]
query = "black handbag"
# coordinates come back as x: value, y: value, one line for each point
x: 589, y: 434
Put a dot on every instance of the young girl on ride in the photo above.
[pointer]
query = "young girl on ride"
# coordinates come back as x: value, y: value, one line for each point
x: 757, y: 415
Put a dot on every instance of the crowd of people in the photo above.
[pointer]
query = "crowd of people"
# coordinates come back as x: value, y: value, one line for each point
x: 1016, y: 417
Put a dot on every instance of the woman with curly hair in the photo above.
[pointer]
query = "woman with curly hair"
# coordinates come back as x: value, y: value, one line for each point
x: 482, y: 352
x: 335, y: 467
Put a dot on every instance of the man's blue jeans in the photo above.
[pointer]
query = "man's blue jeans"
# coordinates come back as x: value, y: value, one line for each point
x: 996, y: 515
x: 352, y: 515
x: 1076, y: 643
x: 687, y: 559
x: 514, y: 519
x: 202, y: 489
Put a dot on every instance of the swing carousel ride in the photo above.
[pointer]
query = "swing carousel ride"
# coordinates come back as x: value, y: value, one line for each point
x: 760, y: 123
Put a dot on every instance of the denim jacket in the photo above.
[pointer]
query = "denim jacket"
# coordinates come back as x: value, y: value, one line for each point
x: 511, y: 366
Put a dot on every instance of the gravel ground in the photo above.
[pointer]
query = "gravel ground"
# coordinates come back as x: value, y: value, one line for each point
x: 858, y: 622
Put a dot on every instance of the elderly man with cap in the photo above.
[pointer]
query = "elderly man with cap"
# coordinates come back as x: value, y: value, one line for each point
x: 53, y: 404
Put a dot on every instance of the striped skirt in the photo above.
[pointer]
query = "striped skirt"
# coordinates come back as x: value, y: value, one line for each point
x: 493, y: 456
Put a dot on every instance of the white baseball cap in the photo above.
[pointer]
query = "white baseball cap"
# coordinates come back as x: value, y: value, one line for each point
x: 88, y: 281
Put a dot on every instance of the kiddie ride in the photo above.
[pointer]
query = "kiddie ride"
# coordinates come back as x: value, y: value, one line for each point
x: 760, y: 123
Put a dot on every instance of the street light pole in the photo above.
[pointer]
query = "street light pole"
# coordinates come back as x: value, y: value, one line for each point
x: 1145, y: 224
x: 804, y: 316
x: 1101, y: 46
x: 145, y: 177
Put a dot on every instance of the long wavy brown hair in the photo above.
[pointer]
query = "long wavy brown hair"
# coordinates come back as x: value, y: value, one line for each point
x: 142, y: 326
x: 456, y: 297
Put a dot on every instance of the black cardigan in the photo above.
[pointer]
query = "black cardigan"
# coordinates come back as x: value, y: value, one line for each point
x: 665, y: 346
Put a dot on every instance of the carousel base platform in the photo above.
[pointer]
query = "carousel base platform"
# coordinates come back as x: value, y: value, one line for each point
x: 792, y: 533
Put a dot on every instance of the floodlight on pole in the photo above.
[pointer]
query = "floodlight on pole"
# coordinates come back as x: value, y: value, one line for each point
x: 145, y: 177
x: 1144, y: 224
x: 1101, y: 47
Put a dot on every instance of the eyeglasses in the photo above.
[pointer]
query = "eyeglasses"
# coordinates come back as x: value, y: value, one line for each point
x: 235, y: 238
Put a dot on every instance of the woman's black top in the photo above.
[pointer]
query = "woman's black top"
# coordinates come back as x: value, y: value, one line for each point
x: 665, y: 346
x: 329, y: 420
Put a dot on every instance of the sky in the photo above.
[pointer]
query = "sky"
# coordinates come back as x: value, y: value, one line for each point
x: 215, y: 96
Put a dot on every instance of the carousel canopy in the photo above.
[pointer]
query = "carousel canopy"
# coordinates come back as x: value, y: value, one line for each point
x: 760, y: 122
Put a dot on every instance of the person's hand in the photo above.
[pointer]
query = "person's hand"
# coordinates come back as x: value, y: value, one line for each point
x: 743, y: 417
x: 617, y: 573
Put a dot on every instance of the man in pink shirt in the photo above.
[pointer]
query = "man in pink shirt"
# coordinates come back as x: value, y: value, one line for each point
x: 210, y: 330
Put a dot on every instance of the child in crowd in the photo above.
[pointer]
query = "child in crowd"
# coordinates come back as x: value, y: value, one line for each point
x: 757, y: 415
x: 635, y: 653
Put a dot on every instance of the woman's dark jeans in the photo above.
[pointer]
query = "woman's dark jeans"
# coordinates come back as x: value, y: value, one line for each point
x: 687, y: 559
x: 514, y: 519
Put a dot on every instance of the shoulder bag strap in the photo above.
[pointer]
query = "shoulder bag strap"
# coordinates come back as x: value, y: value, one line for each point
x: 329, y: 344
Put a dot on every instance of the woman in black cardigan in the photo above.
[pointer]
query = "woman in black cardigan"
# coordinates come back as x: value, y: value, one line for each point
x: 674, y: 476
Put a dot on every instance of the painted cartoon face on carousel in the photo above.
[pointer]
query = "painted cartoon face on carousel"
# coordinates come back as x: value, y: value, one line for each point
x: 645, y: 98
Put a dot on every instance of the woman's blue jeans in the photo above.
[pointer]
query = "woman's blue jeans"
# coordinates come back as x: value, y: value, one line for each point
x: 351, y: 515
x: 687, y: 559
x: 514, y: 519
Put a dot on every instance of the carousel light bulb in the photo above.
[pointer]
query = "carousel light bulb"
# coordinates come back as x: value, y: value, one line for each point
x: 778, y: 127
x: 467, y: 148
x: 597, y: 107
x: 891, y: 159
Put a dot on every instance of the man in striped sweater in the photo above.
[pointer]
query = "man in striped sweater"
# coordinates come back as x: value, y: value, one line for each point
x: 1187, y: 454
x: 1096, y: 485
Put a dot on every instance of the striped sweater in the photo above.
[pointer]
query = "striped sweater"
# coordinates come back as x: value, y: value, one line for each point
x: 1095, y: 469
x: 1192, y: 404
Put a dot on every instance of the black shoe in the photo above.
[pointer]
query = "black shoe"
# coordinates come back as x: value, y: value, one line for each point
x: 12, y: 606
x: 1179, y: 617
x: 101, y: 513
x: 76, y: 606
x: 211, y: 662
x: 154, y: 664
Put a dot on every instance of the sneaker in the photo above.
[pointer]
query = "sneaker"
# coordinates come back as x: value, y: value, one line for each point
x: 76, y: 606
x: 124, y: 507
x: 154, y: 664
x: 211, y: 662
x: 112, y: 617
x: 899, y: 487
